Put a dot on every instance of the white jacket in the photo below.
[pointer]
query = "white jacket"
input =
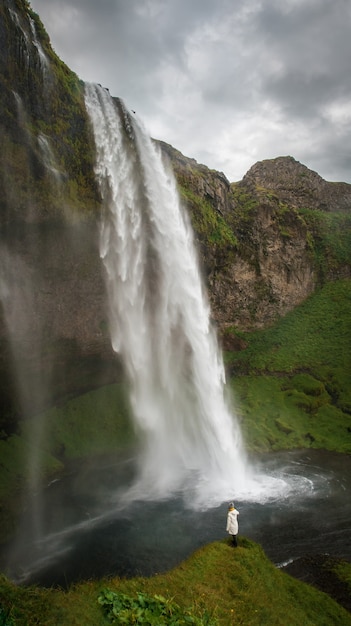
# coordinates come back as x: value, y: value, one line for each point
x: 232, y: 522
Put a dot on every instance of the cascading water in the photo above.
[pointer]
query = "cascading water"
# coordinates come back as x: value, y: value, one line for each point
x: 30, y: 43
x: 160, y: 317
x: 80, y: 525
x: 49, y: 161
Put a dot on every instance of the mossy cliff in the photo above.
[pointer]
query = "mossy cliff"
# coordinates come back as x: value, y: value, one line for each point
x: 268, y: 241
x: 51, y: 275
x: 265, y: 243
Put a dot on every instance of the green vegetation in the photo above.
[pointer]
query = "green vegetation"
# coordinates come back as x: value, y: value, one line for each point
x: 292, y: 382
x: 343, y: 572
x: 47, y: 104
x: 244, y: 201
x: 5, y: 619
x: 221, y: 585
x: 94, y: 423
x: 207, y: 222
x: 145, y: 609
x: 328, y: 234
x: 330, y: 237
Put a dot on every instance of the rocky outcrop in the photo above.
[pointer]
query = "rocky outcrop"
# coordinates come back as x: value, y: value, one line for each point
x: 275, y: 244
x: 297, y: 185
x: 211, y: 185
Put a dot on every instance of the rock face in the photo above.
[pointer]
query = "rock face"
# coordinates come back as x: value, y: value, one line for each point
x: 280, y: 217
x: 264, y: 243
x: 298, y: 186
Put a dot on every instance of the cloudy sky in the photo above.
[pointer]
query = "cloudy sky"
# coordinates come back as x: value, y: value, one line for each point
x: 227, y: 82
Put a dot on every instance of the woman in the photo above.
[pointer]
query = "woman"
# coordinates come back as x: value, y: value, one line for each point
x: 232, y: 523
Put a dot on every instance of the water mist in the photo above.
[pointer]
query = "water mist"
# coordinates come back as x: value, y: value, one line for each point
x: 160, y: 318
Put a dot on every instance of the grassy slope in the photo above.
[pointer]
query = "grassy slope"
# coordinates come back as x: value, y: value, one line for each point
x: 292, y: 382
x: 235, y: 586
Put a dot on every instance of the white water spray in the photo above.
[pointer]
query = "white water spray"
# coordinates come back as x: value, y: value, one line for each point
x: 160, y: 318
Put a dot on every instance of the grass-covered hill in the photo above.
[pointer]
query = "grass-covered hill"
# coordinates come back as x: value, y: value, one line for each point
x: 216, y: 586
x: 292, y: 382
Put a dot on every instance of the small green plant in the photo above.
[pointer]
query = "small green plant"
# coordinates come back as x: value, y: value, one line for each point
x: 147, y: 610
x: 5, y: 619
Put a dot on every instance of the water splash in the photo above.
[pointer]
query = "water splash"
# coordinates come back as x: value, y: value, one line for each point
x: 160, y: 318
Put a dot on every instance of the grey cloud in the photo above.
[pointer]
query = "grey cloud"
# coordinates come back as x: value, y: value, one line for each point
x: 312, y: 46
x: 225, y: 80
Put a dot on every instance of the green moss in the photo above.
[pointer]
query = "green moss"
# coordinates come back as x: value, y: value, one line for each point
x: 330, y: 238
x: 207, y: 222
x: 343, y: 571
x: 52, y: 103
x: 244, y: 202
x: 14, y: 454
x: 328, y: 234
x: 307, y: 384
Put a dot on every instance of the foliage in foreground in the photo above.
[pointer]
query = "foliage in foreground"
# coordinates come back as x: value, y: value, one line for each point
x: 5, y: 619
x: 149, y: 610
x: 238, y: 587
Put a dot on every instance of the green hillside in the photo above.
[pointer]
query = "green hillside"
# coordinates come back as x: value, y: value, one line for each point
x: 217, y: 585
x: 292, y: 383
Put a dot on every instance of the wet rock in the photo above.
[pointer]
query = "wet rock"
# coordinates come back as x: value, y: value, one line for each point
x: 319, y: 570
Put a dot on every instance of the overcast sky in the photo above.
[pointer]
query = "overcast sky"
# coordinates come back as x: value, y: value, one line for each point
x: 227, y: 82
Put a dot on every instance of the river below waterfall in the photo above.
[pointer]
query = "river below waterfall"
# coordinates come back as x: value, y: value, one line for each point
x: 76, y: 528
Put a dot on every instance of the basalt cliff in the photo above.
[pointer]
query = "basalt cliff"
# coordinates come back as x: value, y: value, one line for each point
x: 265, y: 243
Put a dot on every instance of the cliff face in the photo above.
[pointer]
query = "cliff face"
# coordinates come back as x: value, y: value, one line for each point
x: 265, y: 243
x: 298, y: 186
x: 53, y: 330
x: 268, y: 240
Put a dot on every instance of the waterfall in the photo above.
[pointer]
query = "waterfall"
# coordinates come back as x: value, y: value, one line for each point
x: 160, y: 318
x: 43, y: 60
x: 49, y: 161
x: 27, y: 43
